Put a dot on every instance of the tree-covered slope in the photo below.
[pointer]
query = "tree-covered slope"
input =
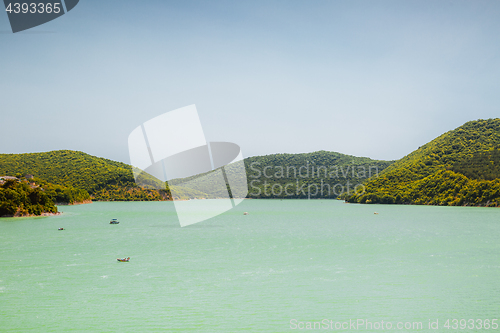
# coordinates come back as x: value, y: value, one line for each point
x: 320, y: 174
x: 25, y: 197
x: 69, y: 168
x: 460, y: 167
x: 104, y: 179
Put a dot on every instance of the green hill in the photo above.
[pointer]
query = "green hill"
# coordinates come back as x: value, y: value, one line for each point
x: 320, y: 174
x: 104, y: 179
x: 460, y: 167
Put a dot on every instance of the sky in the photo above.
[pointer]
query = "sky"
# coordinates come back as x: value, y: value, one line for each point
x: 364, y: 78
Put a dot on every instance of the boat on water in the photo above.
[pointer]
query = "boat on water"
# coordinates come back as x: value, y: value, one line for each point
x: 114, y: 221
x: 123, y: 259
x: 60, y: 229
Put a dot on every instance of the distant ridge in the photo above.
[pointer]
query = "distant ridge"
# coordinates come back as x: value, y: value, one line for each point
x: 109, y: 180
x: 320, y: 174
x: 460, y: 167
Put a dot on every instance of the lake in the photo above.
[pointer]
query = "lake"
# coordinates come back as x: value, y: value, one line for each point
x: 284, y: 267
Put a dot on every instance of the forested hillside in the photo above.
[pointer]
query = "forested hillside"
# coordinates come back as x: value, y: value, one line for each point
x: 460, y: 167
x: 25, y: 197
x: 104, y: 179
x: 320, y: 174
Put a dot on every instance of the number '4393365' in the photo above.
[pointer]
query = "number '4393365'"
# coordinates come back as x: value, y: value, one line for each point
x: 33, y: 8
x: 471, y: 324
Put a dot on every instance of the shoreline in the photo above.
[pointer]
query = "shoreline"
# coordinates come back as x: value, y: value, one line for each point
x: 45, y: 214
x: 73, y: 203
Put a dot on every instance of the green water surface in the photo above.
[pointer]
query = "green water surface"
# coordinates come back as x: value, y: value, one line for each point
x: 285, y: 264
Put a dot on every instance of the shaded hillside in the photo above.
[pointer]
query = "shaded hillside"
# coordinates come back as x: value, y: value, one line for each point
x: 320, y: 174
x: 481, y: 165
x: 460, y: 167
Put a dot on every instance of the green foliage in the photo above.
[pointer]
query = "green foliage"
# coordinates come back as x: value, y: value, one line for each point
x: 23, y: 197
x: 19, y: 198
x: 63, y: 194
x: 481, y: 165
x: 118, y: 193
x: 460, y: 167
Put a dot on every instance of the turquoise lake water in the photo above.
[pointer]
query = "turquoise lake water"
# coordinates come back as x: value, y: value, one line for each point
x: 286, y: 264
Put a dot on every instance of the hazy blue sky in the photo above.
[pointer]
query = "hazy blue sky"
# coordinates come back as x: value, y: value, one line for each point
x: 367, y: 78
